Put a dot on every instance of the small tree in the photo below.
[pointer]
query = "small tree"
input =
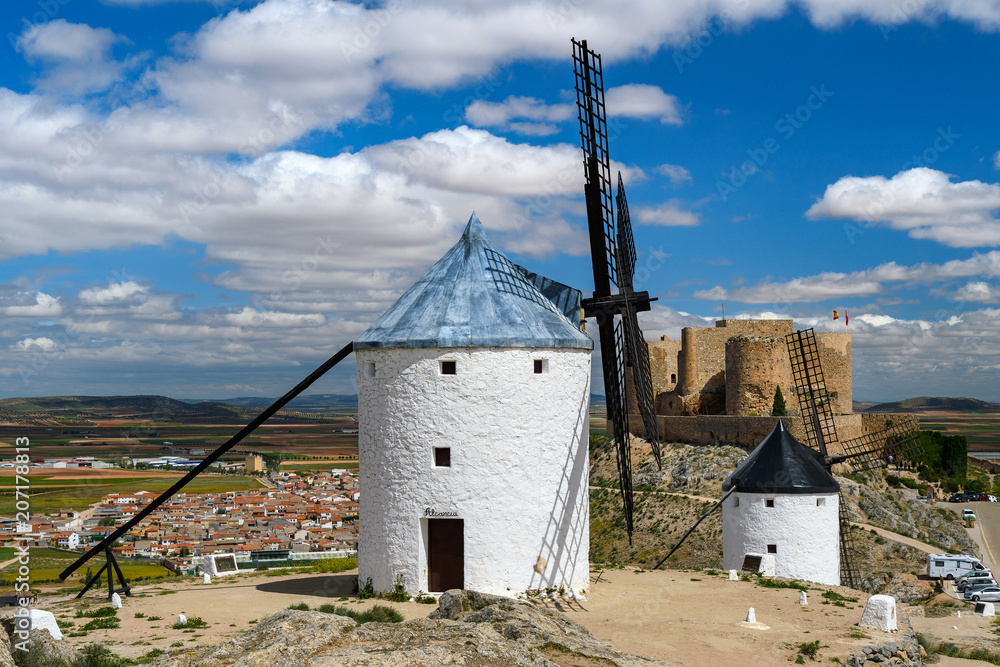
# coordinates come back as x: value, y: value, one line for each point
x: 778, y: 409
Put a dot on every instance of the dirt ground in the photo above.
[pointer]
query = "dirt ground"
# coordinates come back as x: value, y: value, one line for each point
x: 689, y: 618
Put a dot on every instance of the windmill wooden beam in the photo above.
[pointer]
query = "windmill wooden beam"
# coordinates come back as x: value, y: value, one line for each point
x: 104, y: 546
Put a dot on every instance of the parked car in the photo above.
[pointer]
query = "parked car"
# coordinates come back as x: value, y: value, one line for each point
x: 960, y: 498
x: 986, y: 594
x: 992, y: 499
x: 975, y: 583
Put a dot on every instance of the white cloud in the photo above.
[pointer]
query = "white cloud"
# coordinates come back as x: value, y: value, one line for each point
x: 42, y: 343
x: 923, y: 202
x: 996, y: 160
x: 977, y: 292
x: 115, y: 292
x: 76, y: 57
x: 515, y: 112
x: 668, y: 214
x: 640, y: 100
x: 830, y: 285
x: 45, y: 305
x: 675, y: 172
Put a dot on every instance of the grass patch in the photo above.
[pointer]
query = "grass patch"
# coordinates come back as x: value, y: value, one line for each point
x: 379, y: 613
x: 97, y: 612
x: 334, y: 565
x: 194, y: 623
x: 764, y: 582
x: 105, y: 623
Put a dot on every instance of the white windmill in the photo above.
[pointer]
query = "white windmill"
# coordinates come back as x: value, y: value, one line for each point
x: 473, y: 396
x: 783, y: 512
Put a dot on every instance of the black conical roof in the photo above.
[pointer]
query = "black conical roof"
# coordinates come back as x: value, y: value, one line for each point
x: 782, y: 464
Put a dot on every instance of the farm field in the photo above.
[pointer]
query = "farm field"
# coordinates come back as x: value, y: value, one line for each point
x: 46, y: 564
x: 114, y: 440
x: 982, y: 430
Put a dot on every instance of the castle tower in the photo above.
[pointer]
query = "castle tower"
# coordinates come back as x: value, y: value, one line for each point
x: 785, y: 507
x: 473, y: 395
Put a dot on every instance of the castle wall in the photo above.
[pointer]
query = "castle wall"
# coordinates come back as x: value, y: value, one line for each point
x: 755, y: 367
x: 712, y: 379
x: 748, y: 432
x: 704, y: 360
x: 664, y: 367
x: 835, y: 356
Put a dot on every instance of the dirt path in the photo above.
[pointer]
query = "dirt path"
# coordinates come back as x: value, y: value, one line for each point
x: 902, y: 539
x: 690, y: 618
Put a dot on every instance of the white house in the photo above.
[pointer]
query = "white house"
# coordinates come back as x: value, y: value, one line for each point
x: 785, y: 506
x: 473, y: 396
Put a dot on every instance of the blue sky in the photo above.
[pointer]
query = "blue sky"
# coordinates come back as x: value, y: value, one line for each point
x: 207, y: 199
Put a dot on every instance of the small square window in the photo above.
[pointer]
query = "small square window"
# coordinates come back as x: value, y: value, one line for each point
x: 736, y: 502
x: 370, y: 370
x: 769, y: 502
x: 541, y: 366
x: 821, y: 502
x: 442, y: 457
x: 448, y: 368
x: 772, y: 548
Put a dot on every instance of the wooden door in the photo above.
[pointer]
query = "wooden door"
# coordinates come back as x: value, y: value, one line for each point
x: 445, y: 554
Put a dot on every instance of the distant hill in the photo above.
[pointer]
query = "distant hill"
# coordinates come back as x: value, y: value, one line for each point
x: 929, y: 403
x: 110, y: 407
x: 163, y: 408
x: 306, y: 403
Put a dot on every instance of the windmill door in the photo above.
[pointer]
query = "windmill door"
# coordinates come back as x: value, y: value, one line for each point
x: 445, y: 554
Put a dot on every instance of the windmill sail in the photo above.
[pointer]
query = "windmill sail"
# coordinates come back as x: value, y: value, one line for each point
x: 897, y: 441
x: 613, y: 252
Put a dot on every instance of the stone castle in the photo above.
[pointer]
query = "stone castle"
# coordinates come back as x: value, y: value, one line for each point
x: 717, y: 384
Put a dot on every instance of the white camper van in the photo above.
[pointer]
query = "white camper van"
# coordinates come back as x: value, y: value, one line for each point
x: 951, y: 566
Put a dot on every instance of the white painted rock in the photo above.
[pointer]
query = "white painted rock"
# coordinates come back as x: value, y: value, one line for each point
x: 751, y: 616
x: 116, y: 601
x: 206, y: 578
x: 879, y: 613
x: 45, y: 620
x: 733, y: 576
x: 985, y: 609
x: 181, y: 619
x: 803, y: 600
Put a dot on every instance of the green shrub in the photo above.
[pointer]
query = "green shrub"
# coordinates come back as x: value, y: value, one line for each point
x: 379, y: 613
x: 95, y: 655
x: 103, y: 623
x: 193, y: 623
x: 99, y: 612
x: 365, y: 590
x: 778, y: 407
x: 302, y: 606
x: 334, y: 565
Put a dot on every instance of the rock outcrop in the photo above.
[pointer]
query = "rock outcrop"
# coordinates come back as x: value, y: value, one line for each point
x: 468, y: 628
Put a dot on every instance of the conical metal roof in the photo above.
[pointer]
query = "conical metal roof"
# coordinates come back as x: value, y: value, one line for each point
x: 782, y: 464
x: 475, y: 297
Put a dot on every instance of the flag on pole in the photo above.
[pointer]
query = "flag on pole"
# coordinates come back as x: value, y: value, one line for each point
x: 836, y: 315
x: 847, y: 318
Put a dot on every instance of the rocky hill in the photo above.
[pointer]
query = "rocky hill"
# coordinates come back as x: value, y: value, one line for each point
x: 669, y: 500
x: 468, y: 628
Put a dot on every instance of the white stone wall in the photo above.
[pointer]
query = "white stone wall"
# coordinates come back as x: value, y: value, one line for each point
x: 519, y: 464
x: 806, y: 534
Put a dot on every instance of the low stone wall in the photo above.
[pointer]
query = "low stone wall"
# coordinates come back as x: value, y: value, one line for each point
x: 904, y: 652
x: 748, y: 432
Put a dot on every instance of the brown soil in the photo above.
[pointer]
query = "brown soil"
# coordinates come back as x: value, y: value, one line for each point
x: 690, y: 618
